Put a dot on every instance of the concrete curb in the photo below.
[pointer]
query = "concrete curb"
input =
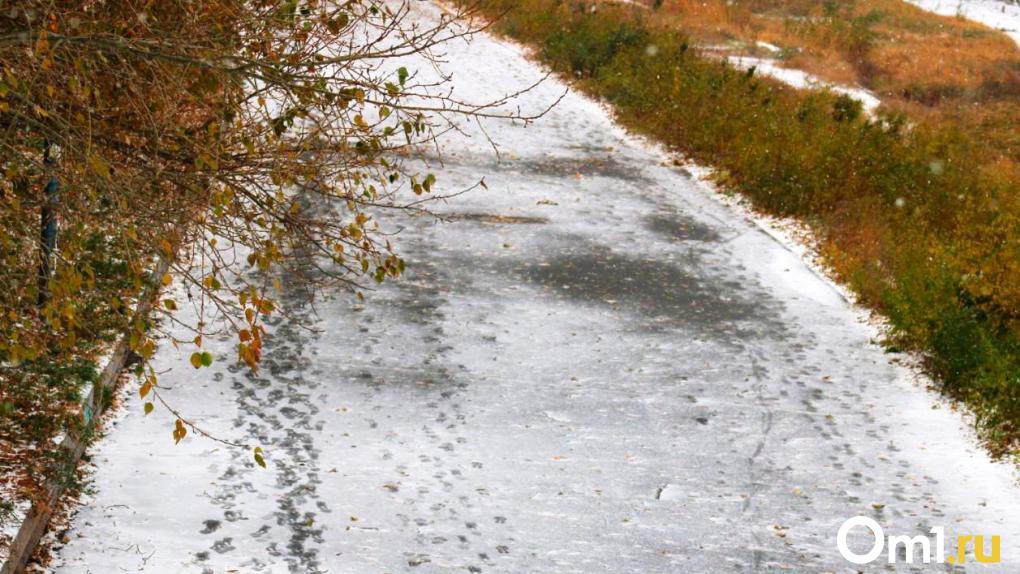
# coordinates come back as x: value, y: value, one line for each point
x: 73, y: 447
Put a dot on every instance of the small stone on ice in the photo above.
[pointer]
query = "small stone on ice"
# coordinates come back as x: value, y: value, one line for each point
x: 417, y: 560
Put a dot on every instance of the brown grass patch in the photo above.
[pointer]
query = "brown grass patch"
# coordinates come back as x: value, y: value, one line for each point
x: 933, y: 68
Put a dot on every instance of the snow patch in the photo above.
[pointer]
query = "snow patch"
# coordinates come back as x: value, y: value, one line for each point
x: 803, y: 80
x: 997, y: 14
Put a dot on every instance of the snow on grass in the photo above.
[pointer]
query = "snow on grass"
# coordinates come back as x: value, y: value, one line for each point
x: 998, y: 14
x: 803, y: 80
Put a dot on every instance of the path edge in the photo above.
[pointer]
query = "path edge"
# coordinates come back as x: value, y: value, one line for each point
x: 73, y: 447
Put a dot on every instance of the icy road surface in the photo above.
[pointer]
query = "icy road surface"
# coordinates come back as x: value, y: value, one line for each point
x: 595, y: 366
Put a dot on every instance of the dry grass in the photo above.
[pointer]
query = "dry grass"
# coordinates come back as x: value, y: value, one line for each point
x: 880, y: 44
x: 941, y: 69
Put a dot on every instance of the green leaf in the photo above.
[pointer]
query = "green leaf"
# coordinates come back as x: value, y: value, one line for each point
x: 337, y: 24
x: 148, y: 408
x: 402, y: 75
x: 259, y: 459
x: 206, y: 359
x: 196, y: 360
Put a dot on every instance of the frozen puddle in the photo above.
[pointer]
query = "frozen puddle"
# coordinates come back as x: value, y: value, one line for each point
x: 594, y: 366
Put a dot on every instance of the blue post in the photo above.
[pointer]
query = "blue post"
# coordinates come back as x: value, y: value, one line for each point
x: 49, y: 228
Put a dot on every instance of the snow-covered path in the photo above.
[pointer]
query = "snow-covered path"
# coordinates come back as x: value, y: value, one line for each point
x: 595, y: 366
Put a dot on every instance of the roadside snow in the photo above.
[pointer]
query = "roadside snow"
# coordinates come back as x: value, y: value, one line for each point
x: 12, y: 517
x: 9, y: 527
x: 803, y: 80
x: 998, y: 14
